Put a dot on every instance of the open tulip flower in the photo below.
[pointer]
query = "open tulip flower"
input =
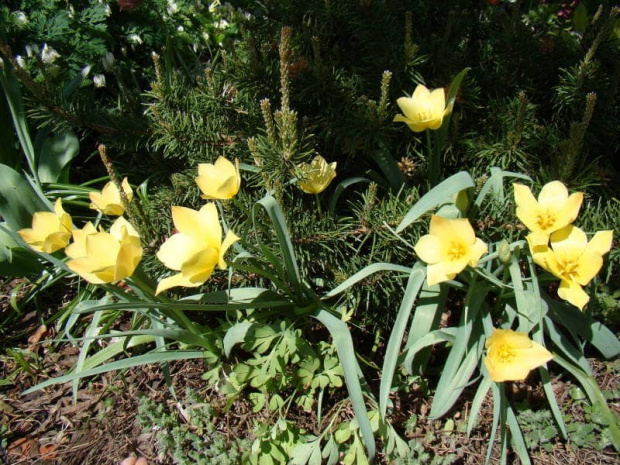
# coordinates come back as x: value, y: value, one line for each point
x: 512, y: 355
x: 449, y: 248
x: 50, y: 231
x: 553, y: 210
x: 220, y: 180
x: 424, y: 109
x: 314, y: 177
x: 109, y: 201
x: 105, y: 257
x: 574, y: 260
x: 195, y: 249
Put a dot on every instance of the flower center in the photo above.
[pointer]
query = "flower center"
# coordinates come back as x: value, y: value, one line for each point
x: 545, y: 220
x: 505, y: 354
x: 569, y: 270
x: 456, y: 251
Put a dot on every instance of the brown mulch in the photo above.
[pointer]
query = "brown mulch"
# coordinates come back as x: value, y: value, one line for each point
x: 47, y: 427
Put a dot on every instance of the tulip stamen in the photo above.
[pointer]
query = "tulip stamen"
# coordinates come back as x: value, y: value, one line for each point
x: 506, y: 354
x: 457, y: 250
x: 545, y: 220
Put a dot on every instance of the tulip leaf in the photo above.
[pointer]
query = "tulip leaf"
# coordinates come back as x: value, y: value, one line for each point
x: 364, y: 273
x: 9, y: 155
x: 16, y: 261
x: 18, y: 200
x: 425, y: 320
x: 54, y: 157
x: 597, y: 334
x: 564, y: 344
x: 437, y: 196
x: 91, y: 331
x: 516, y: 436
x: 429, y: 339
x: 340, y: 188
x: 346, y: 354
x: 464, y: 355
x: 390, y: 169
x: 442, y: 132
x: 414, y: 284
x: 146, y: 359
x: 13, y: 95
x: 476, y: 404
x: 495, y: 184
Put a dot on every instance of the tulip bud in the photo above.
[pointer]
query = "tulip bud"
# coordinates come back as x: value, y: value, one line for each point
x: 504, y: 253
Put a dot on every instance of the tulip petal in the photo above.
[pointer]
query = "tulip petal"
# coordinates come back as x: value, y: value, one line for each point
x: 127, y: 260
x: 568, y: 213
x: 428, y: 249
x: 600, y: 244
x: 229, y: 240
x: 437, y: 102
x: 527, y: 206
x: 436, y: 273
x: 552, y: 194
x: 573, y: 293
x: 476, y: 251
x: 177, y: 250
x: 452, y: 230
x: 174, y: 281
x: 413, y: 107
x: 588, y: 265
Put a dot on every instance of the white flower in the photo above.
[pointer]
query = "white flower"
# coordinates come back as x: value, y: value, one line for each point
x: 180, y: 28
x: 172, y: 7
x: 213, y: 6
x: 99, y: 80
x: 205, y: 36
x: 49, y: 55
x: 134, y: 39
x: 20, y: 61
x: 85, y: 71
x: 108, y: 61
x: 107, y: 10
x: 21, y: 18
x: 71, y: 12
x: 221, y: 24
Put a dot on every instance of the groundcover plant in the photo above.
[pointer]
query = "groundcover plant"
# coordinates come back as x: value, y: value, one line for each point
x: 278, y: 224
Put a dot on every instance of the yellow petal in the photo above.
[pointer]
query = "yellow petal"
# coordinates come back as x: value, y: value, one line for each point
x: 448, y: 230
x: 527, y: 206
x: 588, y: 266
x: 569, y: 242
x: 230, y: 239
x: 413, y: 107
x: 199, y: 268
x: 514, y: 339
x: 429, y: 249
x: 421, y: 94
x: 83, y: 268
x: 573, y: 293
x: 127, y: 260
x: 178, y: 249
x: 436, y: 274
x: 553, y: 194
x: 537, y: 239
x: 476, y: 251
x: 174, y: 281
x: 600, y: 244
x: 438, y: 104
x: 127, y: 190
x: 220, y: 180
x: 568, y: 213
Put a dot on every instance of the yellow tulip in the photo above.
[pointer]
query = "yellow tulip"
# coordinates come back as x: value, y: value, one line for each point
x: 512, y: 355
x: 195, y: 249
x: 449, y: 247
x: 574, y: 260
x: 105, y: 257
x: 424, y: 109
x: 220, y: 180
x: 553, y: 210
x: 314, y: 177
x: 108, y: 201
x: 50, y: 231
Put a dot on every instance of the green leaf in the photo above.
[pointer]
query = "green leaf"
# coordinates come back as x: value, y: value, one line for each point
x: 516, y: 435
x: 389, y: 168
x: 432, y: 338
x: 495, y: 184
x: 55, y: 155
x: 15, y: 261
x: 18, y: 200
x: 481, y: 394
x: 414, y: 284
x: 152, y: 357
x: 437, y: 196
x: 340, y: 188
x: 346, y: 353
x: 425, y: 320
x: 364, y: 273
x: 235, y: 335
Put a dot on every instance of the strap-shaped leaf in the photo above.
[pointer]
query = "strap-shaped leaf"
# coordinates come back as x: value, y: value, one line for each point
x: 146, y: 359
x: 364, y: 273
x: 346, y: 354
x: 414, y: 284
x: 340, y: 188
x: 436, y: 196
x: 18, y: 200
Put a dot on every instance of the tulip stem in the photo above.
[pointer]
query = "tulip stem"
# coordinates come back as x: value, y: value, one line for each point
x: 433, y: 161
x: 318, y: 205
